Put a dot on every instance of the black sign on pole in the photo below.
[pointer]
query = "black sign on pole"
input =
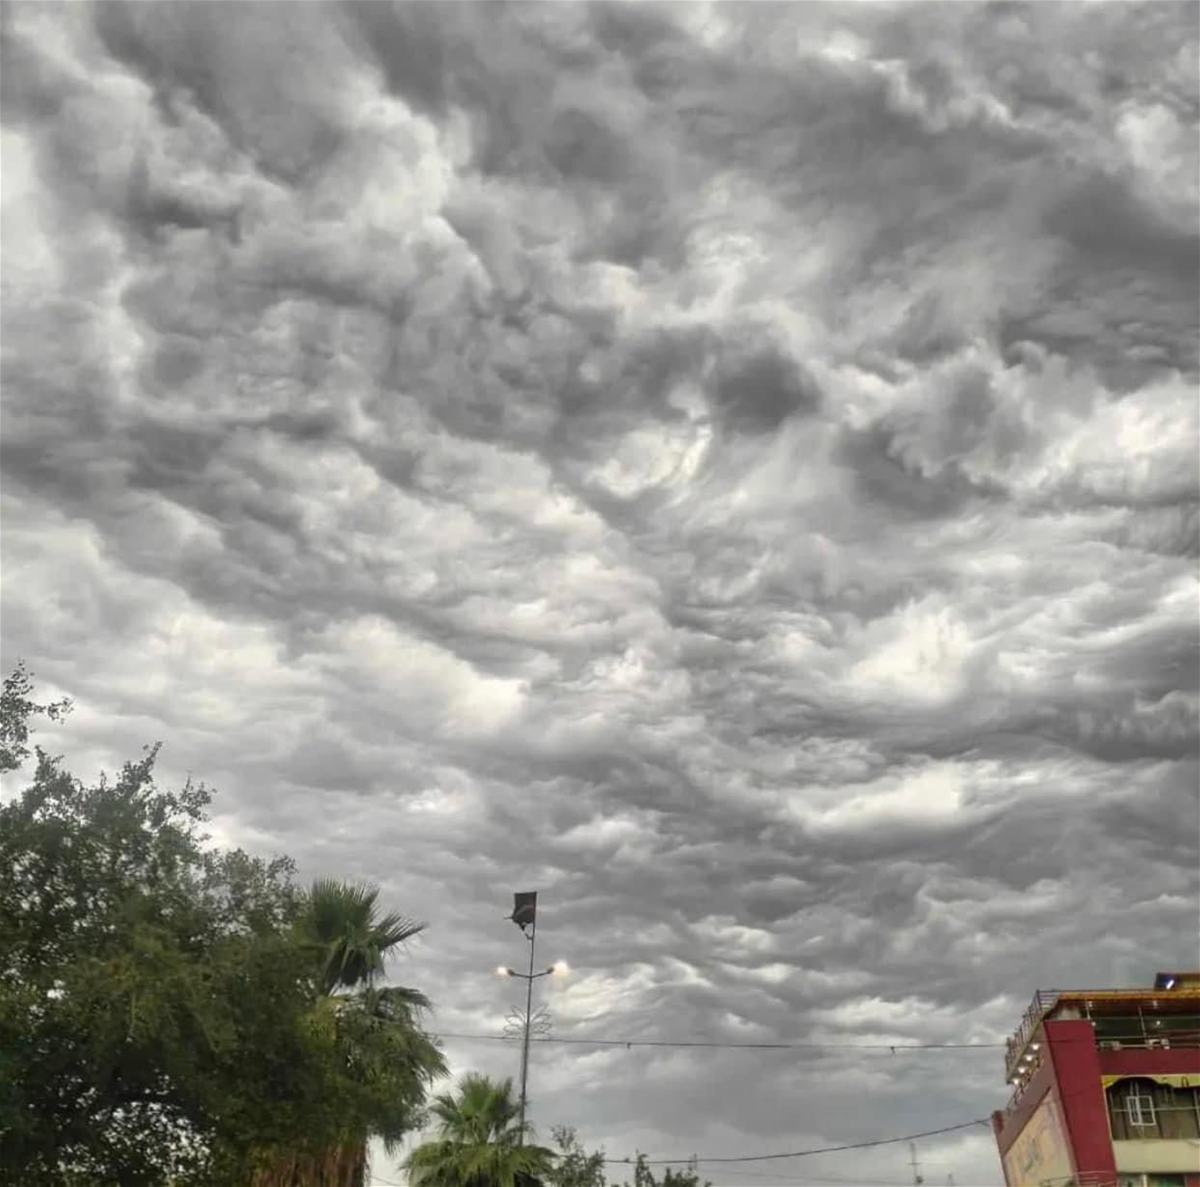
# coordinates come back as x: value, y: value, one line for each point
x: 524, y: 908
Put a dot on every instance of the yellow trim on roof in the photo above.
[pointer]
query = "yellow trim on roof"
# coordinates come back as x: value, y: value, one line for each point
x: 1171, y: 1079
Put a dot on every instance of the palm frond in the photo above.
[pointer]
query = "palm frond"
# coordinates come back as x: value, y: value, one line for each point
x: 477, y: 1140
x: 395, y: 928
x: 333, y: 904
x: 342, y: 921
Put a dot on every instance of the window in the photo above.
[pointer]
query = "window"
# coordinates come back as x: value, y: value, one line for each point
x: 1140, y: 1107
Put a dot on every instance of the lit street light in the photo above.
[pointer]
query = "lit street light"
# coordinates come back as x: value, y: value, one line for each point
x: 559, y: 968
x: 525, y: 916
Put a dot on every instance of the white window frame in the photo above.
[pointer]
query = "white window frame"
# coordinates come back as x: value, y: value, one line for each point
x: 1139, y: 1108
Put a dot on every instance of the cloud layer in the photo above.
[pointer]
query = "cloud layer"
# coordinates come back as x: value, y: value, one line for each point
x: 731, y: 468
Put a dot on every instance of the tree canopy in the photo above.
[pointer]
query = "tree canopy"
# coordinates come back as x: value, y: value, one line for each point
x: 165, y: 1014
x: 574, y: 1166
x: 479, y: 1141
x: 17, y: 708
x: 177, y: 1015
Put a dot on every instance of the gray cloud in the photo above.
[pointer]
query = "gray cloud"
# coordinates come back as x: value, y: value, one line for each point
x: 732, y: 467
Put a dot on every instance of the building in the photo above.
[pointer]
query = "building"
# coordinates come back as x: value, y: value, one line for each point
x: 1106, y: 1088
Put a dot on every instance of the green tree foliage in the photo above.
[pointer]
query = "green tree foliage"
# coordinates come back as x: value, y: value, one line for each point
x: 478, y: 1141
x: 577, y: 1167
x: 342, y: 919
x: 163, y: 1009
x: 387, y: 1059
x: 16, y: 709
x: 686, y: 1176
x: 574, y: 1166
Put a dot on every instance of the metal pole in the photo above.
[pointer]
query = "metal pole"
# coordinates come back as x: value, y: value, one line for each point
x: 915, y: 1164
x: 525, y: 1044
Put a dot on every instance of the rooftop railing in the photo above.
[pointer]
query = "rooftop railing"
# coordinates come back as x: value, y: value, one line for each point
x: 1043, y: 1002
x: 1132, y: 1030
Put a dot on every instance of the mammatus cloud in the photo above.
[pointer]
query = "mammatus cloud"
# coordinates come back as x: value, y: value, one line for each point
x: 732, y: 468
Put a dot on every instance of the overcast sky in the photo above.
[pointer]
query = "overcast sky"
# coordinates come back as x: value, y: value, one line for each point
x: 731, y: 469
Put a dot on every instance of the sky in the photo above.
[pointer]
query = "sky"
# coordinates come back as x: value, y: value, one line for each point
x: 732, y: 469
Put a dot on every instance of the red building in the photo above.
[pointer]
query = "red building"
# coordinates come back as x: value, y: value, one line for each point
x: 1106, y: 1088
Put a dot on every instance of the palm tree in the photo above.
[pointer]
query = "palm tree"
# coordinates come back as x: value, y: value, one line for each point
x: 385, y: 1058
x: 478, y: 1141
x: 343, y: 923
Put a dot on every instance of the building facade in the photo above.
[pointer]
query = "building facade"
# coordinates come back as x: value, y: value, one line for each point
x: 1106, y: 1088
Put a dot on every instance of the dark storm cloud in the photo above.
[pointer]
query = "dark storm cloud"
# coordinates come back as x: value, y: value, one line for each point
x: 758, y: 386
x: 732, y: 468
x: 886, y: 476
x: 264, y: 83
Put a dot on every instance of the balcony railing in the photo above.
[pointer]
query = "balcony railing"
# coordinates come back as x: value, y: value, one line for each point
x: 1043, y: 1002
x: 1132, y: 1031
x: 1086, y: 1179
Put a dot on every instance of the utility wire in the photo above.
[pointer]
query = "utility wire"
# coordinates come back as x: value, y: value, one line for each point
x: 719, y: 1044
x: 715, y: 1043
x: 692, y: 1159
x: 808, y: 1181
x: 908, y: 1137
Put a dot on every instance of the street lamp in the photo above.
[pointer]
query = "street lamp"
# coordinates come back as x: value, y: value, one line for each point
x: 525, y: 917
x: 559, y: 968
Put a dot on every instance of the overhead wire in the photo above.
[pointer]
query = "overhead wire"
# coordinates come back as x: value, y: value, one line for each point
x: 720, y: 1044
x: 725, y: 1160
x: 746, y: 1045
x: 816, y: 1178
x: 865, y: 1145
x: 908, y: 1137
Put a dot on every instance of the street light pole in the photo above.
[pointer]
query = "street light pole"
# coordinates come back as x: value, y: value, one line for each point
x: 525, y: 1038
x: 525, y: 916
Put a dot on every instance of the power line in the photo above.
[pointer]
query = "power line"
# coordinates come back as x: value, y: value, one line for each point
x: 908, y: 1137
x: 867, y: 1145
x: 722, y: 1045
x: 806, y: 1181
x: 928, y: 1133
x: 719, y: 1044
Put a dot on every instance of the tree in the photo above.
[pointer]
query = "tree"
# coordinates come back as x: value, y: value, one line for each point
x: 131, y: 963
x: 387, y: 1059
x: 574, y: 1166
x: 342, y: 920
x: 163, y: 1007
x: 688, y: 1176
x: 16, y: 709
x: 478, y: 1142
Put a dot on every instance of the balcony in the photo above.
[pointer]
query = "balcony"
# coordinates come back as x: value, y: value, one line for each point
x: 1121, y: 1018
x: 1044, y: 1000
